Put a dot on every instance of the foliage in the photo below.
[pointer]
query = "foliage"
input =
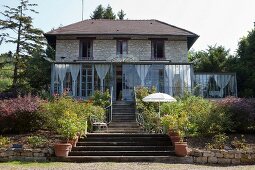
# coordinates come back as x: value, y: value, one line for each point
x: 212, y: 60
x: 241, y: 112
x: 218, y: 141
x: 28, y: 38
x: 36, y: 141
x: 106, y: 13
x: 21, y: 115
x: 148, y: 110
x: 98, y: 13
x: 67, y: 115
x: 4, y: 141
x: 239, y: 143
x: 195, y: 116
x: 69, y: 125
x: 101, y: 98
x: 243, y: 65
x: 121, y: 14
x: 38, y: 70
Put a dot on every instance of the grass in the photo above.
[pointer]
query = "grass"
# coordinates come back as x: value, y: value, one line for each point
x: 30, y: 164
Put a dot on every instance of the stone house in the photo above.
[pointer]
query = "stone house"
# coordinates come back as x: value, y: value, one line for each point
x: 122, y: 54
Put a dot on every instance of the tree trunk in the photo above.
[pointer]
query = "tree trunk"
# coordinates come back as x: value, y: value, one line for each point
x: 16, y: 62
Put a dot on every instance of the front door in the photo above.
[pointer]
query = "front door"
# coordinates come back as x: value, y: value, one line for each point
x: 118, y: 82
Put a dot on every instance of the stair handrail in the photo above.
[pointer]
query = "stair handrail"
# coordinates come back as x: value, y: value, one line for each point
x: 139, y: 116
x: 109, y: 108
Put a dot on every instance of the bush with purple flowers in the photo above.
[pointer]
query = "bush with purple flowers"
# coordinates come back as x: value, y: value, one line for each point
x: 20, y: 115
x: 242, y: 111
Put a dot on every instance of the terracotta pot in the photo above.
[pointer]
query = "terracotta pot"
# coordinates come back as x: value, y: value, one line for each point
x: 172, y: 132
x: 181, y: 149
x: 175, y: 139
x: 62, y: 149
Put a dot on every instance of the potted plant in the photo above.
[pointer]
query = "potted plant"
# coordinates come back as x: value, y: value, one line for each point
x: 170, y: 121
x: 68, y: 129
x: 181, y: 146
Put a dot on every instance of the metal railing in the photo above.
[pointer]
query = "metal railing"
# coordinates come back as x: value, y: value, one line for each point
x: 139, y: 116
x: 108, y: 109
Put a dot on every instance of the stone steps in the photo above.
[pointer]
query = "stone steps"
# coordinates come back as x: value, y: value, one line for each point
x: 122, y: 147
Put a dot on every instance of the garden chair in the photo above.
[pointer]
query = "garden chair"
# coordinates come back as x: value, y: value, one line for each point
x: 98, y: 125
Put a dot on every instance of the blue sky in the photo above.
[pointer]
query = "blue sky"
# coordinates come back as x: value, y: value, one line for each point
x: 221, y: 22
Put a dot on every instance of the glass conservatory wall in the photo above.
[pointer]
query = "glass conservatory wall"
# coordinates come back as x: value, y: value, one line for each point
x: 211, y: 85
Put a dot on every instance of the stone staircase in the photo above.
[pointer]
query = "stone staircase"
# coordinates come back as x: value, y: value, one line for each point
x: 123, y: 118
x: 120, y: 147
x: 123, y: 142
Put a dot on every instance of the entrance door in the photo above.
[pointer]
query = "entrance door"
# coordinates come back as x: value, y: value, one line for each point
x: 118, y: 82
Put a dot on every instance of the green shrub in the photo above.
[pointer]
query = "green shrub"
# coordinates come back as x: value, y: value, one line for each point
x: 36, y: 141
x: 149, y: 110
x: 101, y: 99
x: 204, y: 117
x: 239, y: 143
x: 4, y: 141
x: 68, y: 116
x: 218, y: 141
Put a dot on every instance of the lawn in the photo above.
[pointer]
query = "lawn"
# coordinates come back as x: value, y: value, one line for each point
x: 114, y: 166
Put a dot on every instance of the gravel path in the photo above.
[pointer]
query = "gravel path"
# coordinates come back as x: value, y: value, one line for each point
x: 115, y: 166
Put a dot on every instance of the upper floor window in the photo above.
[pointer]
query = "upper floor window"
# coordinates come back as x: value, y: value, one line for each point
x: 157, y: 49
x: 86, y: 51
x: 122, y: 47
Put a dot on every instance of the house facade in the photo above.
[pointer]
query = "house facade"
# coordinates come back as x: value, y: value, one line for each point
x: 122, y: 54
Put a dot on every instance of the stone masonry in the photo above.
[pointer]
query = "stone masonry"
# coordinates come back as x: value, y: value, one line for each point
x: 176, y: 51
x: 20, y: 154
x: 216, y: 156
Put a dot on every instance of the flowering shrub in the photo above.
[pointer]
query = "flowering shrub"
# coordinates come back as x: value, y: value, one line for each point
x: 201, y: 116
x: 242, y: 111
x: 149, y: 110
x: 65, y: 111
x: 20, y: 114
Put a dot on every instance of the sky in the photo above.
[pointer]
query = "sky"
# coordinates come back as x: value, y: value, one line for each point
x: 221, y: 22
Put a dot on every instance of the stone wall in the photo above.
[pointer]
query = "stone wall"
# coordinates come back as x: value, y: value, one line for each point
x: 104, y: 49
x: 140, y: 49
x: 19, y: 154
x: 69, y: 49
x: 216, y: 156
x: 176, y: 51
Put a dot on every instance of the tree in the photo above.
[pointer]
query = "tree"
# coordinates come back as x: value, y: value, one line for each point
x: 212, y: 60
x: 108, y: 13
x: 121, y: 14
x: 244, y: 65
x: 38, y: 71
x: 98, y: 13
x: 26, y: 38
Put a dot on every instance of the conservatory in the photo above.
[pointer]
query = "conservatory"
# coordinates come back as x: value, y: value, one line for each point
x: 82, y: 79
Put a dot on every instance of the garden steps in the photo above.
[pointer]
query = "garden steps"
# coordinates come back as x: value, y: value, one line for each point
x: 122, y: 147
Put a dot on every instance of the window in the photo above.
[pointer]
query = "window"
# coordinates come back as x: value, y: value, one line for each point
x: 86, y: 49
x: 122, y: 47
x: 157, y: 49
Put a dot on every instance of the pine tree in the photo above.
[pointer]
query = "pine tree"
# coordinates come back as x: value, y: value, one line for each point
x: 108, y: 14
x: 121, y: 14
x: 98, y: 13
x: 25, y: 37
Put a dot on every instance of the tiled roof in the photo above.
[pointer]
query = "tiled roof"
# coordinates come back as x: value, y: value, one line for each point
x: 120, y: 27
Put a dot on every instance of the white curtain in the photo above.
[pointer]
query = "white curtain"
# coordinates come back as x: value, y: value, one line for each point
x: 74, y: 69
x: 61, y: 73
x: 102, y: 70
x: 169, y: 73
x: 222, y: 81
x: 142, y: 71
x: 182, y: 78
